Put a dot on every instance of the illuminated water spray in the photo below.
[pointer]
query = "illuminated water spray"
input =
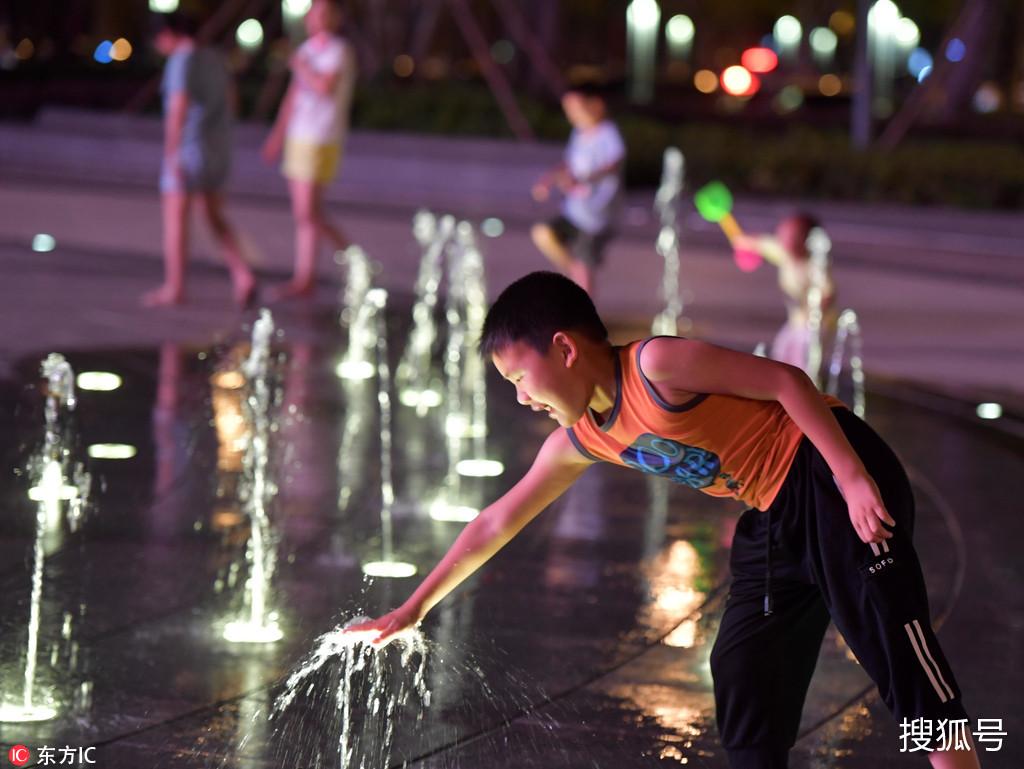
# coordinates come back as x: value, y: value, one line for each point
x: 848, y: 330
x: 358, y: 314
x: 50, y: 470
x: 465, y: 377
x: 376, y: 301
x: 257, y: 624
x: 670, y: 321
x: 819, y: 245
x: 369, y: 688
x: 412, y: 377
x: 358, y: 282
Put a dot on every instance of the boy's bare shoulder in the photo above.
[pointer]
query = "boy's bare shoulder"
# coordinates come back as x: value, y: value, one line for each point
x: 661, y: 356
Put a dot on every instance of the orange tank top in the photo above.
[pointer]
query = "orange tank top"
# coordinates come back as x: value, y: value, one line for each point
x: 723, y: 445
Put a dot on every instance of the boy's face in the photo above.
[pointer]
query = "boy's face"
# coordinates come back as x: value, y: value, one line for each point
x: 322, y: 16
x: 165, y: 42
x: 582, y: 111
x: 544, y: 382
x: 793, y: 237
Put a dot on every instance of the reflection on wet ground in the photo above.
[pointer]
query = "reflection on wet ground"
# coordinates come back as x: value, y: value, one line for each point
x: 583, y: 644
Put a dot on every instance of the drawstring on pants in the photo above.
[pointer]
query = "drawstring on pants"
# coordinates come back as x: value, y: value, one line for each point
x: 768, y: 604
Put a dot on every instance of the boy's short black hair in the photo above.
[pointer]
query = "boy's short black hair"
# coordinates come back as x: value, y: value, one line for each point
x: 590, y: 89
x: 534, y: 308
x: 178, y: 22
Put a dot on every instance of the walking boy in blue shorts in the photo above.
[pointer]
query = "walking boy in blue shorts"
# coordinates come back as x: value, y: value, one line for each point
x: 827, y: 535
x: 590, y: 180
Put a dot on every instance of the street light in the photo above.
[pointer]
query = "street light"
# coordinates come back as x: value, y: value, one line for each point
x: 643, y: 18
x: 679, y: 33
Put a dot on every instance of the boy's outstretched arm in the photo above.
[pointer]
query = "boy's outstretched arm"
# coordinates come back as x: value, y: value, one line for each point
x: 557, y: 465
x: 678, y: 367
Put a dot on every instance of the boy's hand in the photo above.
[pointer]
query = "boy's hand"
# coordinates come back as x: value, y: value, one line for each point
x: 389, y: 625
x: 867, y: 511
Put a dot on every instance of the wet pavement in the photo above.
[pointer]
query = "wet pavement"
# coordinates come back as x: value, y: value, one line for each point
x: 583, y: 644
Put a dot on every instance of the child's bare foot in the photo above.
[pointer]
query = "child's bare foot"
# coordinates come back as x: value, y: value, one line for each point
x: 290, y: 290
x: 165, y: 296
x: 244, y: 291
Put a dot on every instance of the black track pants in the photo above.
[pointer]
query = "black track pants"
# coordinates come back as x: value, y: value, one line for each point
x: 817, y: 569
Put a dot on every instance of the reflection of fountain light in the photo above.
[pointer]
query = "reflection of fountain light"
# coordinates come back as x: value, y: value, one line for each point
x: 111, y: 451
x: 51, y: 487
x: 245, y: 631
x: 464, y: 426
x: 98, y: 381
x: 441, y: 510
x: 393, y: 569
x: 228, y: 380
x: 480, y: 468
x: 989, y: 410
x: 673, y: 576
x: 355, y: 369
x: 11, y: 713
x: 420, y: 399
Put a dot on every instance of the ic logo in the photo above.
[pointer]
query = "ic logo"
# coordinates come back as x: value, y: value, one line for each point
x: 881, y: 565
x: 19, y: 755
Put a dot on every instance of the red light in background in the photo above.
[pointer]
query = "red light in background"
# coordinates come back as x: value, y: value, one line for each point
x: 738, y: 81
x: 759, y: 59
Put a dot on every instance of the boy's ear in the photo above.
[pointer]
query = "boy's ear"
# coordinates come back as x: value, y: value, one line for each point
x: 566, y: 346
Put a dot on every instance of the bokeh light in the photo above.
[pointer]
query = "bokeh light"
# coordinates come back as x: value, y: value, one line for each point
x: 163, y: 6
x: 989, y: 410
x: 503, y: 51
x: 295, y: 9
x: 830, y: 85
x: 705, y: 81
x: 789, y: 98
x: 24, y: 50
x: 42, y: 243
x: 120, y: 49
x: 249, y: 34
x: 907, y: 34
x: 102, y: 52
x: 403, y: 65
x: 788, y: 30
x: 739, y: 81
x: 111, y: 451
x: 679, y: 34
x: 759, y: 60
x: 955, y: 49
x: 988, y: 98
x: 98, y: 381
x: 918, y: 61
x: 823, y: 42
x: 492, y: 227
x: 842, y: 23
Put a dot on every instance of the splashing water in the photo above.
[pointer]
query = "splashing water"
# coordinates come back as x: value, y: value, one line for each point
x: 819, y: 244
x: 387, y: 567
x: 369, y: 691
x: 848, y: 328
x: 466, y: 402
x: 50, y: 468
x: 666, y: 205
x: 257, y: 624
x: 412, y: 376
